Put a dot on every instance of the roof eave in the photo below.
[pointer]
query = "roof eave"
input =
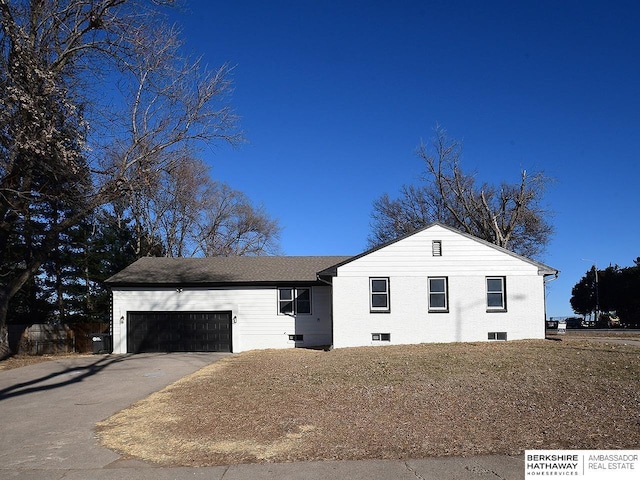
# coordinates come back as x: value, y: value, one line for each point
x: 271, y: 283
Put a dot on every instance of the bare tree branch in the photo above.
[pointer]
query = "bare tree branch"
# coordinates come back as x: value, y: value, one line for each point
x: 511, y: 216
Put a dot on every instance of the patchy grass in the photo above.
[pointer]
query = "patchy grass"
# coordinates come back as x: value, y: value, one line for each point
x: 389, y: 403
x: 17, y: 361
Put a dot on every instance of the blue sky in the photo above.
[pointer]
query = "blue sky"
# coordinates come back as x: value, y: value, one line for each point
x: 335, y: 96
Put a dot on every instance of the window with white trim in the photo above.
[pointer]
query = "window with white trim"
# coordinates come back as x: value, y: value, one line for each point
x: 496, y: 294
x: 379, y: 298
x: 294, y: 301
x: 438, y: 294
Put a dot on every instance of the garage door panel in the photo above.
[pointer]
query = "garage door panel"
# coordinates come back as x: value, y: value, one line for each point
x: 179, y: 332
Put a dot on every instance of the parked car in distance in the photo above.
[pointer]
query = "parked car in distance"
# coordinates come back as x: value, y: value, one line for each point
x: 614, y: 322
x: 574, y: 322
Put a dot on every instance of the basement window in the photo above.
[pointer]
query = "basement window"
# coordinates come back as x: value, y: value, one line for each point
x: 296, y: 338
x: 497, y: 335
x: 381, y: 337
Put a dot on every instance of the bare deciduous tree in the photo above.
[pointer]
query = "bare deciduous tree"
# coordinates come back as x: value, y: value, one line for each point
x: 170, y: 104
x: 188, y: 214
x: 231, y: 225
x: 509, y: 215
x: 58, y: 59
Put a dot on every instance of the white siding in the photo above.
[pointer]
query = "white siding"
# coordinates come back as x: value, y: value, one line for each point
x: 408, y: 264
x: 256, y: 322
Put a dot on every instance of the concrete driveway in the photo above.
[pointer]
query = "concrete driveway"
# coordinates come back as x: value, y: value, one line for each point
x: 49, y: 410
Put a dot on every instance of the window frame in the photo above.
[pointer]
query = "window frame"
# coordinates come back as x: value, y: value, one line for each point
x: 381, y: 337
x: 445, y: 293
x: 297, y: 301
x: 285, y: 301
x: 295, y: 304
x: 497, y: 336
x: 386, y: 293
x: 502, y: 292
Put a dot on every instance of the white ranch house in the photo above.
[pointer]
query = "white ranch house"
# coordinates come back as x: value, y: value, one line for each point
x: 435, y: 285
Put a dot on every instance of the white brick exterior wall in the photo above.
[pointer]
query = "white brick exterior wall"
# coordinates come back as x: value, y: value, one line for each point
x: 408, y: 264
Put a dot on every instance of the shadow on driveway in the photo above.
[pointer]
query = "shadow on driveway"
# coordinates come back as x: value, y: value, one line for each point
x: 49, y: 410
x: 67, y: 376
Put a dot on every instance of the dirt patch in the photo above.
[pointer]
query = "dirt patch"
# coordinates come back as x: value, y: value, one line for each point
x: 389, y: 403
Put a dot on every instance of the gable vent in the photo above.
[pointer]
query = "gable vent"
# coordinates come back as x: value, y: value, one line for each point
x: 436, y: 248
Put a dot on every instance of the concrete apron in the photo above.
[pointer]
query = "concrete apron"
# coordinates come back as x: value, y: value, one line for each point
x: 49, y: 410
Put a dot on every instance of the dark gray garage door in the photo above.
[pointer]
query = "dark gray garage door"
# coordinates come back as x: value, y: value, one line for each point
x: 178, y: 332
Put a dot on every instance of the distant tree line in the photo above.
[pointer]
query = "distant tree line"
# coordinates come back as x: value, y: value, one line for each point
x: 616, y: 291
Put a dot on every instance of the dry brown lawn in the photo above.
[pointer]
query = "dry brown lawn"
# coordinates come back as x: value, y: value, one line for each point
x: 393, y: 402
x: 17, y: 361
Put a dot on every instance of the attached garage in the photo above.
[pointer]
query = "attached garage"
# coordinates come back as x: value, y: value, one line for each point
x: 220, y: 304
x: 178, y: 332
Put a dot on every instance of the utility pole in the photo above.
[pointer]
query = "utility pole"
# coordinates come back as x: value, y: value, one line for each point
x: 595, y: 267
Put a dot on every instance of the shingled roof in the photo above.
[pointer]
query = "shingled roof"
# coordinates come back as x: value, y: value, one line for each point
x: 222, y: 270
